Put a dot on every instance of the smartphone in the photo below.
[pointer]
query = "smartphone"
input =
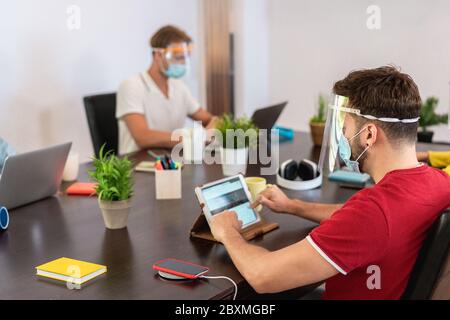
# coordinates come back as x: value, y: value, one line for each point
x: 180, y: 268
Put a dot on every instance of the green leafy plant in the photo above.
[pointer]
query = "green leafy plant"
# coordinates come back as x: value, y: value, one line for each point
x: 113, y: 176
x: 242, y: 130
x: 320, y: 117
x: 428, y: 116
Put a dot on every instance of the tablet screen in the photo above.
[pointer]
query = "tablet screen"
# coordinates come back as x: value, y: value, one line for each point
x: 230, y: 196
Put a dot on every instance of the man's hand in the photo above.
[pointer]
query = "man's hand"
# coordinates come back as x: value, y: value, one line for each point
x: 212, y: 123
x: 274, y: 199
x: 423, y: 156
x: 225, y: 224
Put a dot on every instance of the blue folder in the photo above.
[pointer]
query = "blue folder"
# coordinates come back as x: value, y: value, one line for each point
x: 349, y: 178
x: 284, y: 134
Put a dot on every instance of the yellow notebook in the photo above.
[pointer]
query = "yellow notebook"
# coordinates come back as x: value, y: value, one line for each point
x: 69, y: 270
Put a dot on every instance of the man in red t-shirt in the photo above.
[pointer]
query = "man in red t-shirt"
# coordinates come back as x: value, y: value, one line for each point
x: 366, y: 248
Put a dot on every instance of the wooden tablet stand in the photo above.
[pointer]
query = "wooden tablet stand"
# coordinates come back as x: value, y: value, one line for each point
x: 201, y: 229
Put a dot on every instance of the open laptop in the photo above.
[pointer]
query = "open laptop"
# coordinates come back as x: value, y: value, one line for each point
x: 266, y: 118
x: 32, y: 176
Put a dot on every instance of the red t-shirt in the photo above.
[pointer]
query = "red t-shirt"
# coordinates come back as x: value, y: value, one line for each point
x: 374, y: 240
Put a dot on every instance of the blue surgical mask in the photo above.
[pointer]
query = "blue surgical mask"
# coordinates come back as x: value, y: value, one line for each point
x: 345, y: 152
x: 176, y: 70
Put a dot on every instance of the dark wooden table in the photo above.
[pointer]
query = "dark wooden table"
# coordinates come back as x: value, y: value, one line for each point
x: 63, y: 226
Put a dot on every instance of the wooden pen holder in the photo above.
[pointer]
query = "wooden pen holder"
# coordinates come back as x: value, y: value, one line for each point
x: 168, y: 184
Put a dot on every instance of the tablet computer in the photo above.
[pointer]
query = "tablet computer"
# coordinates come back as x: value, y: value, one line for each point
x: 230, y: 194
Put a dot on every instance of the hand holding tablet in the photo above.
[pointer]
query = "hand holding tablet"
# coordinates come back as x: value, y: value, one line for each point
x: 230, y: 194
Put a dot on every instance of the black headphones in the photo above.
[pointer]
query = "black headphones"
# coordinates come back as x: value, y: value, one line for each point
x: 306, y: 170
x: 303, y: 175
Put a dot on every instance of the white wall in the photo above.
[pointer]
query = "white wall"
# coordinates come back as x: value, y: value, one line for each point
x: 313, y: 43
x: 250, y: 24
x: 46, y: 69
x: 285, y: 49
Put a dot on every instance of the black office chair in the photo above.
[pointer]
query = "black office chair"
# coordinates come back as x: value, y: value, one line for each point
x: 430, y: 261
x: 101, y: 116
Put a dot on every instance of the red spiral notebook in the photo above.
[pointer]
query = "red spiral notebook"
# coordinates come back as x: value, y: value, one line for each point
x: 81, y: 189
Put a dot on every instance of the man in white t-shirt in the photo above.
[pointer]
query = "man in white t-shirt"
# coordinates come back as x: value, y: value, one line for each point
x: 151, y: 105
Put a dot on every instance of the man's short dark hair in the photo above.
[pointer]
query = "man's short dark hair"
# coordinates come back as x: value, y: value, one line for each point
x: 384, y: 93
x: 168, y: 35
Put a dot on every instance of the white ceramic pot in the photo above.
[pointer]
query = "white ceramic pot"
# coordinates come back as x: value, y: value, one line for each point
x: 115, y: 213
x: 234, y: 161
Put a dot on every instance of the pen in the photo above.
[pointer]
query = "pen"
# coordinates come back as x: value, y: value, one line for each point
x: 169, y: 162
x: 153, y: 155
x: 164, y: 164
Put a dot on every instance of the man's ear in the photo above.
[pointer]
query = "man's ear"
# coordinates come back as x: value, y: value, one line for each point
x: 159, y: 58
x: 156, y: 55
x: 371, y: 135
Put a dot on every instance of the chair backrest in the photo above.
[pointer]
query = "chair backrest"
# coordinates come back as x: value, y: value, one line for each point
x: 430, y: 261
x: 101, y: 116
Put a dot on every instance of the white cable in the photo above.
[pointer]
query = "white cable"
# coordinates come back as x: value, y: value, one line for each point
x: 226, y: 278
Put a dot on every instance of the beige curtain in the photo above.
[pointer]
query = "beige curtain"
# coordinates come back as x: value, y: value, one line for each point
x: 217, y: 55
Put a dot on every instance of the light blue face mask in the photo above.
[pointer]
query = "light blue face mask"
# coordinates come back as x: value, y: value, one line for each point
x: 177, y: 57
x: 345, y: 152
x: 176, y: 71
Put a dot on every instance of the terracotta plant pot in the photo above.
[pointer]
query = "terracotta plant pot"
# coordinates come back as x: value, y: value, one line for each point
x: 115, y: 213
x: 317, y: 130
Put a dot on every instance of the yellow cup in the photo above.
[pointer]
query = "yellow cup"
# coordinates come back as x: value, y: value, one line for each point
x: 256, y: 185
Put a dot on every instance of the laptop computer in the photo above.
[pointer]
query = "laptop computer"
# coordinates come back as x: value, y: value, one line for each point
x: 32, y: 176
x: 266, y: 118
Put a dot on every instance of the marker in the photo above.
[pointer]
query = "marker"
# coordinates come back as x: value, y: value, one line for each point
x: 153, y: 155
x: 164, y: 164
x: 158, y: 164
x: 169, y: 162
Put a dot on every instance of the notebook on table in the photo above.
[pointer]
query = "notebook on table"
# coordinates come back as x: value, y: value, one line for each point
x: 81, y: 189
x: 70, y: 270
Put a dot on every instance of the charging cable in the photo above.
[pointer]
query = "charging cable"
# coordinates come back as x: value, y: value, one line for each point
x: 226, y: 278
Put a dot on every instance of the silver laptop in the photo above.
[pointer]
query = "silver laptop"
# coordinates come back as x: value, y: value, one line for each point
x: 32, y: 176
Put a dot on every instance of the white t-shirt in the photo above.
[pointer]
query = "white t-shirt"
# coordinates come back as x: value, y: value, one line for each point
x: 141, y: 95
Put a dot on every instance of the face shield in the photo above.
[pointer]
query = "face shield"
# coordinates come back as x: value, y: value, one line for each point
x: 336, y: 148
x: 176, y: 59
x: 333, y: 133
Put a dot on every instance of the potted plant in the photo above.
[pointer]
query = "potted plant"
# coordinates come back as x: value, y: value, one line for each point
x: 114, y: 188
x: 237, y: 135
x: 428, y: 118
x: 317, y: 123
